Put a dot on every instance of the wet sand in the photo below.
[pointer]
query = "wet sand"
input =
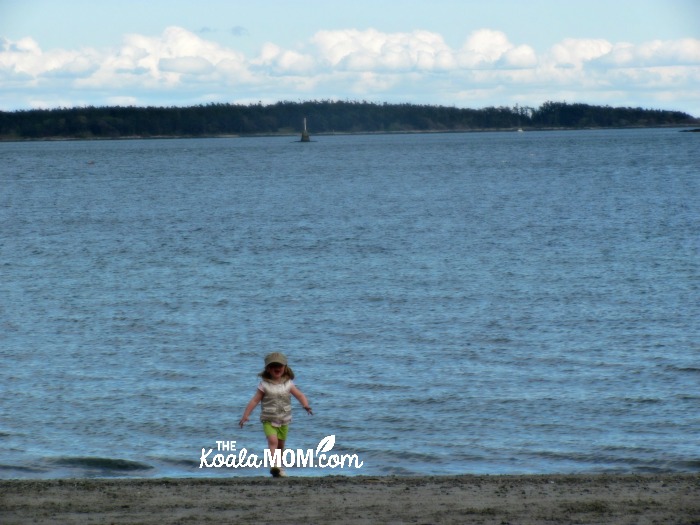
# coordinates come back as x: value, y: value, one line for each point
x: 600, y: 499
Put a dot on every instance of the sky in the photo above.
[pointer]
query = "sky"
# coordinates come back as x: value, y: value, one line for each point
x: 462, y: 53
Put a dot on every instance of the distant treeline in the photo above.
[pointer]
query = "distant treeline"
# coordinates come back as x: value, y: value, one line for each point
x: 323, y: 117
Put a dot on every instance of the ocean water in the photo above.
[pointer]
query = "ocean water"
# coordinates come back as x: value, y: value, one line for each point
x: 450, y: 303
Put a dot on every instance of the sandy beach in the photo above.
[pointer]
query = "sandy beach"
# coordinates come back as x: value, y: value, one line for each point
x: 600, y: 499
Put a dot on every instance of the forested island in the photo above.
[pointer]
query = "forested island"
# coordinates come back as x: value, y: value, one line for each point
x: 323, y: 116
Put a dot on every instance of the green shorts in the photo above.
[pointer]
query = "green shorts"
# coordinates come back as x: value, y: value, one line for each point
x: 280, y: 432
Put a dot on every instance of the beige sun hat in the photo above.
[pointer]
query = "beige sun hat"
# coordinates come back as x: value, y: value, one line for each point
x: 275, y: 357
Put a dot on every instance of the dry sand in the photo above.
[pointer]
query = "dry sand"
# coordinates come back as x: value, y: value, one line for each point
x: 600, y: 499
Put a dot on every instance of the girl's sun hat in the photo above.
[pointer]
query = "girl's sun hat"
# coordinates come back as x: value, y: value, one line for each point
x: 275, y: 357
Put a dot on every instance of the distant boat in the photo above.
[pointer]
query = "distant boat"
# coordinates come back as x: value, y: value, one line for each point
x: 305, y: 134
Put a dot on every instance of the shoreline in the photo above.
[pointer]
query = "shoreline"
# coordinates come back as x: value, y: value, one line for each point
x: 679, y: 127
x: 487, y: 499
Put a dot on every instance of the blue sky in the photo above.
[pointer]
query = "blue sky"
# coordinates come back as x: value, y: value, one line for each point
x: 464, y: 53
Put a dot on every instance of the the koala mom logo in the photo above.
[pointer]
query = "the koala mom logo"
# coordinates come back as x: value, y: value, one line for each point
x: 319, y: 458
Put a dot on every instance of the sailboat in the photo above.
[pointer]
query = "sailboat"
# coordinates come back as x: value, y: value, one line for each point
x: 305, y: 134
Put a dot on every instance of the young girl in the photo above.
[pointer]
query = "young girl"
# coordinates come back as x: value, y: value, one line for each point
x: 275, y: 391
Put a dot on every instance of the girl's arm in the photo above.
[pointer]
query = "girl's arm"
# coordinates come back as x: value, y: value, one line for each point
x: 251, y: 406
x: 302, y: 399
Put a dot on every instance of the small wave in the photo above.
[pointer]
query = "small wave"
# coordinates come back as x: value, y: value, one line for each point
x: 20, y: 468
x: 98, y: 463
x: 687, y: 397
x: 684, y: 369
x: 642, y: 400
x: 692, y: 465
x: 181, y: 462
x: 619, y: 459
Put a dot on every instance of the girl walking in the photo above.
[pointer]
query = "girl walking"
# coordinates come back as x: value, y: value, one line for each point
x: 275, y: 391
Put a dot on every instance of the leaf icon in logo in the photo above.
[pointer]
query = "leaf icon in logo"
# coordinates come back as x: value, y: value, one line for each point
x: 325, y: 444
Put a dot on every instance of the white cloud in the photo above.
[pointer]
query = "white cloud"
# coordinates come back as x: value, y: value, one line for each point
x: 181, y: 67
x: 186, y: 65
x: 574, y: 53
x: 519, y: 57
x: 422, y: 51
x: 281, y: 61
x: 167, y: 61
x: 486, y: 46
x: 367, y: 82
x: 654, y: 53
x: 372, y: 50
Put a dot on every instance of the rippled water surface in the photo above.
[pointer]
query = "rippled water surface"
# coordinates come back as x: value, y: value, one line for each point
x: 452, y: 303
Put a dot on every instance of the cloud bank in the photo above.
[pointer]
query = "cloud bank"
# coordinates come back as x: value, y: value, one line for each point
x: 179, y: 67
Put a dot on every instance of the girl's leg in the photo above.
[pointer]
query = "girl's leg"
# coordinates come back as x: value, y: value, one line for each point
x: 273, y: 444
x: 282, y: 437
x: 280, y: 447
